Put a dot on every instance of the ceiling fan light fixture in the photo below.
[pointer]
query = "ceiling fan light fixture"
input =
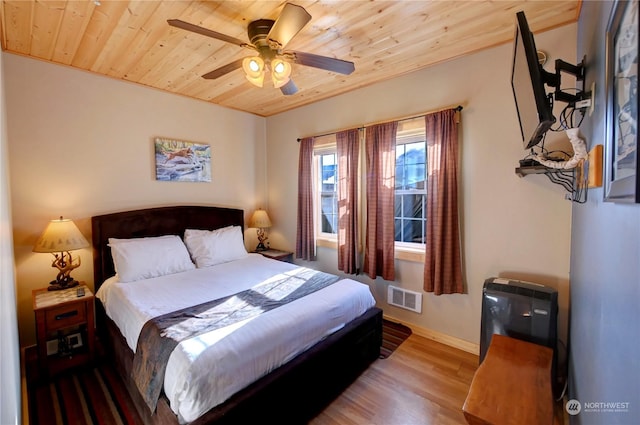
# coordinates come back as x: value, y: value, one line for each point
x: 254, y: 69
x: 268, y: 38
x: 280, y: 72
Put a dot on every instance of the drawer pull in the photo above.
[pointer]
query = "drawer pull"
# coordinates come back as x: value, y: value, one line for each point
x: 67, y: 314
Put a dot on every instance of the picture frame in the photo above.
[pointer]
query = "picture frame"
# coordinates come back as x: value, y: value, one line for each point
x: 182, y: 161
x: 622, y: 177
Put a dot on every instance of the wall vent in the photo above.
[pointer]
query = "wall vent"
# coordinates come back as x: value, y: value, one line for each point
x: 405, y: 299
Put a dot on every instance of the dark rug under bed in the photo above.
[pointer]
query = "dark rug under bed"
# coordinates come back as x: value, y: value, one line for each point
x: 393, y: 334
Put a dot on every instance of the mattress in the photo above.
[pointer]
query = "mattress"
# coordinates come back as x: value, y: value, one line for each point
x: 206, y: 370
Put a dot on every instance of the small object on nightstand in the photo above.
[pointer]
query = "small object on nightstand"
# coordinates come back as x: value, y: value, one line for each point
x: 65, y: 328
x: 260, y: 220
x: 276, y: 254
x: 60, y: 238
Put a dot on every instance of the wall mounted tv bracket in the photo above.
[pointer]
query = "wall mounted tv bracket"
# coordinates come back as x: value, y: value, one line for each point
x: 582, y: 99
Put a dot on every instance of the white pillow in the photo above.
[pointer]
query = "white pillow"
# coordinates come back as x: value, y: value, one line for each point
x: 144, y: 258
x: 211, y: 247
x: 198, y: 232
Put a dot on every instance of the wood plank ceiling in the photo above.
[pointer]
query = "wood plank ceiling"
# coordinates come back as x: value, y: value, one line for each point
x: 131, y: 40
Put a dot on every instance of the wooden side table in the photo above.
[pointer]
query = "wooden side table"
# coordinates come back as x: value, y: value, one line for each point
x: 512, y: 386
x: 65, y: 328
x: 276, y: 254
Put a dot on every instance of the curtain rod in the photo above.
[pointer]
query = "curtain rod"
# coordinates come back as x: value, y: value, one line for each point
x: 457, y: 108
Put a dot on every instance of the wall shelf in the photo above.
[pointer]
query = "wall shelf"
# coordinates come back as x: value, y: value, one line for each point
x: 562, y: 177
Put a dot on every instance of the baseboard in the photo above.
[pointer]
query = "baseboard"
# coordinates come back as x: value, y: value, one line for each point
x: 445, y: 339
x: 24, y: 395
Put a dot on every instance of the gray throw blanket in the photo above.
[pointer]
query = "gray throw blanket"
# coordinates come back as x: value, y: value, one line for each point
x: 159, y: 336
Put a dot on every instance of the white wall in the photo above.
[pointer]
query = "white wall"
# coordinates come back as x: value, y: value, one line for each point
x: 513, y: 227
x: 82, y: 144
x: 10, y: 363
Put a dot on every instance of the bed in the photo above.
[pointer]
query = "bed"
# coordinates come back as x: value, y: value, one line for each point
x: 295, y: 390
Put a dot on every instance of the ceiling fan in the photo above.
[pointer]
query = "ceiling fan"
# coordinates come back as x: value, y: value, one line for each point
x: 268, y: 39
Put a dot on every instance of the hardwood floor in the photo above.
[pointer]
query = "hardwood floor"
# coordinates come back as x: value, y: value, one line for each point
x: 422, y: 382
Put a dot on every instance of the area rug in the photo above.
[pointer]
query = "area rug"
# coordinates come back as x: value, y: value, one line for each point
x: 393, y: 334
x: 91, y: 396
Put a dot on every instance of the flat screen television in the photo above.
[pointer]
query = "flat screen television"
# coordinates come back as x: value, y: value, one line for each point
x: 528, y: 78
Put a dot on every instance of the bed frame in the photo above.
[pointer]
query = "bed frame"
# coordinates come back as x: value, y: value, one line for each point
x: 293, y: 393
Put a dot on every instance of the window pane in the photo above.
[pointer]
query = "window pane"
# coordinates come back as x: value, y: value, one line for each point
x: 414, y: 176
x: 414, y: 153
x: 414, y: 231
x: 412, y: 206
x: 328, y: 213
x: 328, y: 171
x: 327, y: 224
x: 409, y: 211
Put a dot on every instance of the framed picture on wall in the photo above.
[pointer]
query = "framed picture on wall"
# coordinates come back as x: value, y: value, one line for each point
x: 181, y: 161
x: 622, y: 179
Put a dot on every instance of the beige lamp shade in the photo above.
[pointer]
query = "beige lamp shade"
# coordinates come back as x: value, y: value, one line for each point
x: 60, y: 235
x: 260, y: 219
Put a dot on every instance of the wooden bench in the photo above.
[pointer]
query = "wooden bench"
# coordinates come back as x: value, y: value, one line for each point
x: 512, y: 385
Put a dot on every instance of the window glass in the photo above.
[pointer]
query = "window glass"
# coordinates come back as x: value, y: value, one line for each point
x: 328, y: 172
x: 410, y: 186
x: 411, y: 192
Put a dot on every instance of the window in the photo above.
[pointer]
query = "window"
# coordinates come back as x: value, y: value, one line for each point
x: 411, y: 192
x: 410, y: 189
x: 328, y: 192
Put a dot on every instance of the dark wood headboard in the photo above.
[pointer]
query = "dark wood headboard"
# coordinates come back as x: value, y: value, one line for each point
x: 152, y: 222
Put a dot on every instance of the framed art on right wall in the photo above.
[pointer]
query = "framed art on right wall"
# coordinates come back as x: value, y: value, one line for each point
x: 622, y: 179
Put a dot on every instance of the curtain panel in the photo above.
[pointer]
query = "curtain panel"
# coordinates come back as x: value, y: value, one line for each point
x: 443, y: 264
x: 380, y: 146
x: 347, y: 149
x: 305, y: 235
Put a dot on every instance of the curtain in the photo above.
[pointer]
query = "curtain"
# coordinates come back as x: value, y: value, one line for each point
x: 347, y: 149
x: 380, y: 234
x: 442, y: 265
x: 305, y: 235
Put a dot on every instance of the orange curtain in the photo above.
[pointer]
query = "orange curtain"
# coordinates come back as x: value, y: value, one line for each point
x: 347, y: 148
x: 443, y: 264
x: 305, y: 235
x: 381, y: 162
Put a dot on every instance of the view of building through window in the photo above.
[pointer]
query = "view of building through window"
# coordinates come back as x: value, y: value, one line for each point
x: 328, y: 167
x: 411, y: 192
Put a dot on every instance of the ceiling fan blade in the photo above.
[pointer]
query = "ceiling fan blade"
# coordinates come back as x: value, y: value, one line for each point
x: 216, y: 73
x: 291, y: 20
x: 323, y: 62
x: 289, y: 88
x: 207, y: 32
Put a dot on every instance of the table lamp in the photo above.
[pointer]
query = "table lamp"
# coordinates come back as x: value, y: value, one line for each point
x: 60, y: 238
x: 260, y: 220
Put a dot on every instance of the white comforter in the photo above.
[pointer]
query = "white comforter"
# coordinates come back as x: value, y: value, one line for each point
x: 204, y: 371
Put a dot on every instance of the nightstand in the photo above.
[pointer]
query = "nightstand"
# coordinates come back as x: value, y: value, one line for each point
x: 275, y: 254
x: 65, y: 328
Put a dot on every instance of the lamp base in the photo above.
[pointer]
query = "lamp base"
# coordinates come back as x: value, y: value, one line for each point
x: 261, y: 247
x: 55, y: 285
